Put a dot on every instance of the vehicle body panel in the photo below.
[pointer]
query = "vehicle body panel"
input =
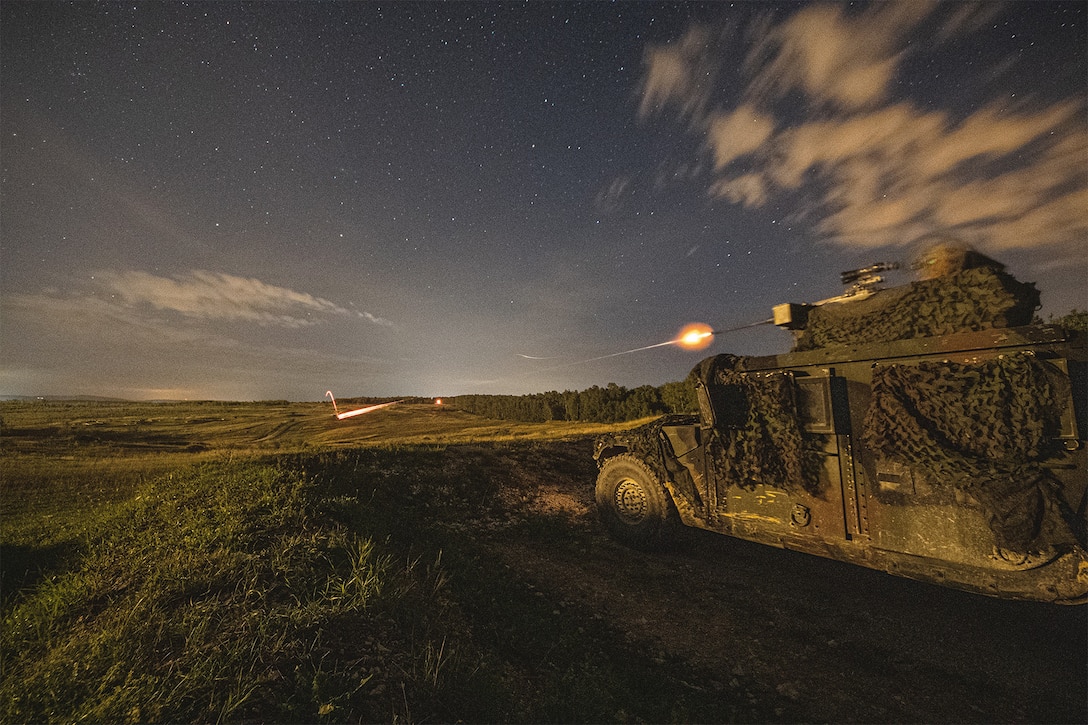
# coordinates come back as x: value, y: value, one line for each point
x: 875, y: 508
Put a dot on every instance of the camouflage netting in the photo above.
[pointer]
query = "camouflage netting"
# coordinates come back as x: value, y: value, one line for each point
x: 980, y: 429
x: 972, y: 299
x: 645, y: 443
x: 758, y: 439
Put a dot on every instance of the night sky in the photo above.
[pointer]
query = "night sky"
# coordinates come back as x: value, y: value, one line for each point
x: 267, y: 200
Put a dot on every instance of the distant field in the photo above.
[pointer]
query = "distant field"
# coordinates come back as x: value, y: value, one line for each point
x: 62, y: 455
x: 276, y: 426
x: 63, y: 465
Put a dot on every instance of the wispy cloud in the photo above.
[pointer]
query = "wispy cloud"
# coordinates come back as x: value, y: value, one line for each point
x: 610, y: 199
x: 217, y: 296
x: 54, y: 342
x: 863, y: 168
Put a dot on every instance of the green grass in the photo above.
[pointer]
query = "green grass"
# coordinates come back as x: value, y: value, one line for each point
x: 64, y: 466
x: 265, y: 562
x: 222, y: 593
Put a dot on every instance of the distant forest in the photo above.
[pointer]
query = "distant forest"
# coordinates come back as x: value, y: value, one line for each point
x: 611, y: 404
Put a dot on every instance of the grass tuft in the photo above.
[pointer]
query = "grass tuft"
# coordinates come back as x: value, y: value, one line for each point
x: 208, y: 597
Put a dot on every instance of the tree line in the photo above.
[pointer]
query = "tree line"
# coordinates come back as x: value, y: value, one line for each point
x: 611, y: 404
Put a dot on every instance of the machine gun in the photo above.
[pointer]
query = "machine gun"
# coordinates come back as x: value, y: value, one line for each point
x: 863, y: 283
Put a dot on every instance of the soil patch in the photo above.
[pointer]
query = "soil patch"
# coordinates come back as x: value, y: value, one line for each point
x: 815, y: 639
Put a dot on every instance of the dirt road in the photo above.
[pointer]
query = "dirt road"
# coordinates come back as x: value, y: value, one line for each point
x: 818, y: 639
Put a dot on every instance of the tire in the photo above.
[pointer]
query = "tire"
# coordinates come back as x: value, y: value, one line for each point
x: 633, y: 504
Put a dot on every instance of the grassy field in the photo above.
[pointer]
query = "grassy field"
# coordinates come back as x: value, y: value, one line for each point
x: 225, y: 562
x: 65, y: 464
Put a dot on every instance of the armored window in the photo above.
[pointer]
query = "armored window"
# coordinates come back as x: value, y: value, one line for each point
x: 814, y: 404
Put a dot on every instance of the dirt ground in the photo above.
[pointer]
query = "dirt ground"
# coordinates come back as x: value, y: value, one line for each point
x: 830, y: 641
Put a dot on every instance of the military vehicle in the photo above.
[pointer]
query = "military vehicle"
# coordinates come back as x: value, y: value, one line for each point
x: 929, y: 431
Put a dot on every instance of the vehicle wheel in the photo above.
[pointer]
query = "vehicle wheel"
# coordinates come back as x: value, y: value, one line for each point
x: 633, y: 504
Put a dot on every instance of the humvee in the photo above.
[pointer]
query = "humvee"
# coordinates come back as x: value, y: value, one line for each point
x: 956, y: 458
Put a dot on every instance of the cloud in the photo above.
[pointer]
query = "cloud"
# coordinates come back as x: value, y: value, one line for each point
x: 375, y: 319
x: 748, y: 189
x: 738, y: 133
x: 819, y: 50
x: 54, y: 343
x: 217, y: 296
x: 610, y: 199
x: 680, y: 73
x: 814, y: 118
